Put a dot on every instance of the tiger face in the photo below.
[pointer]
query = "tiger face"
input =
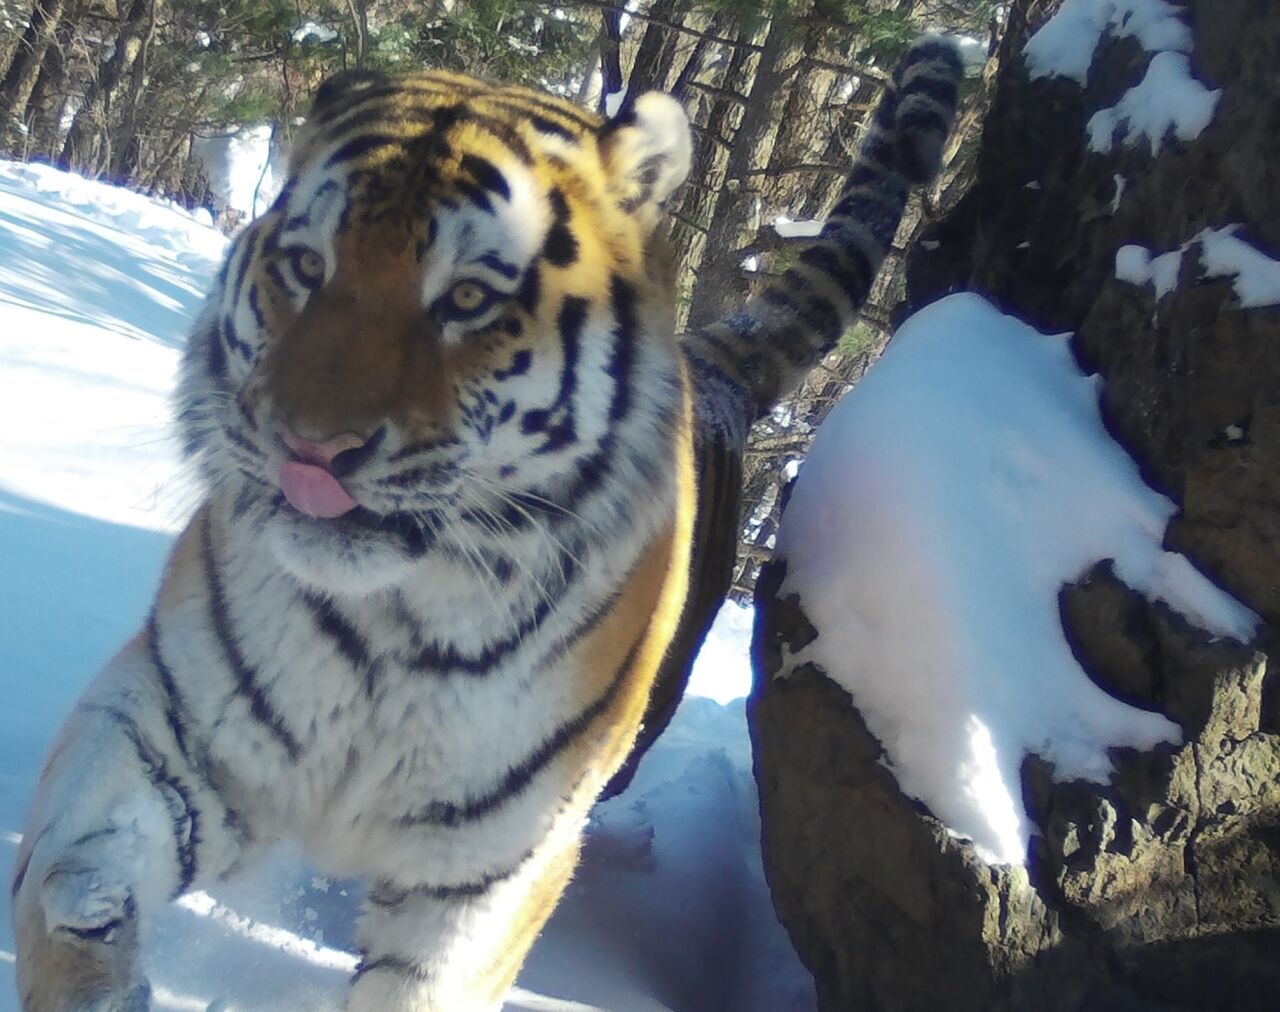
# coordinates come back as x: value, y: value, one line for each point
x: 454, y: 318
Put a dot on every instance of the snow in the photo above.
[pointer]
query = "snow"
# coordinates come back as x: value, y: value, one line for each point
x: 1065, y: 44
x: 613, y: 102
x: 723, y: 671
x: 1136, y: 265
x: 309, y: 31
x: 669, y: 910
x: 944, y: 504
x: 1121, y: 184
x: 243, y: 170
x: 1223, y: 254
x: 973, y: 52
x: 1167, y: 99
x: 790, y: 228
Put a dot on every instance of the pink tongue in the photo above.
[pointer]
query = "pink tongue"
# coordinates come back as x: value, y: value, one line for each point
x: 314, y: 491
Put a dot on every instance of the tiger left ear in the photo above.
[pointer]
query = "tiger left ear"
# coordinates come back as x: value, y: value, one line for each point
x: 647, y: 152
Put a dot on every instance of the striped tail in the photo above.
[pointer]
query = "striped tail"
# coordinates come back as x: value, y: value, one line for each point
x: 744, y: 363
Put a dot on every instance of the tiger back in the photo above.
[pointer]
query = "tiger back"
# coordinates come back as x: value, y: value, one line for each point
x: 447, y: 437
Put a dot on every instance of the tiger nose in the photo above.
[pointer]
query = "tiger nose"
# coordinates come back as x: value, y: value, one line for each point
x: 323, y: 451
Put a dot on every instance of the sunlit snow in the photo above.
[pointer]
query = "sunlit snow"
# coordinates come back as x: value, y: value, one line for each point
x: 1064, y: 45
x: 1255, y: 276
x: 1167, y: 100
x: 943, y: 506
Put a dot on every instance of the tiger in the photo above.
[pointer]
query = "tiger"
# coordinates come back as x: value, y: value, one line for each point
x: 447, y: 560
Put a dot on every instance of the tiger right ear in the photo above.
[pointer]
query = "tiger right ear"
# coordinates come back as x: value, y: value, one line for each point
x: 342, y: 86
x: 647, y: 152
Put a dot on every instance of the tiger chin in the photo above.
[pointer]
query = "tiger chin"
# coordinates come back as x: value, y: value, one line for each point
x: 447, y: 438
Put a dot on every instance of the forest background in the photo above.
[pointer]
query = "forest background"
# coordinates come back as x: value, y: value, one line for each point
x: 777, y: 92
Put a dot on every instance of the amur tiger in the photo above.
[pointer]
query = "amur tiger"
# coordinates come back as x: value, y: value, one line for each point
x: 448, y: 441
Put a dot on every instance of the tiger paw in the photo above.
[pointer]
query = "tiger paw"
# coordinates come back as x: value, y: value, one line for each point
x: 78, y: 947
x: 86, y: 903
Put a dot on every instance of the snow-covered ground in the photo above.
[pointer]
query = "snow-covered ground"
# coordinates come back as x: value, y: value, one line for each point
x: 669, y: 910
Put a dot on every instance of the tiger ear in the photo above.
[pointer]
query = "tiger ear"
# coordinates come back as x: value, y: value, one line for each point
x: 344, y: 85
x: 647, y: 152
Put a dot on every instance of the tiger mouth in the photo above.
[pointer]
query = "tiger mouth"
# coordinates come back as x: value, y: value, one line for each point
x: 414, y: 534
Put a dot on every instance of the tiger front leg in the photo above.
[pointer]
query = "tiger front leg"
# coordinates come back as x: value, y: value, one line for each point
x: 432, y: 948
x: 120, y: 824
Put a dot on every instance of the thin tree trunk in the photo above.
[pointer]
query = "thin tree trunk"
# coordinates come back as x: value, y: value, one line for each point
x: 9, y: 41
x: 49, y: 97
x: 720, y: 280
x: 88, y: 141
x: 610, y: 58
x: 359, y: 11
x: 24, y: 69
x: 127, y: 145
x: 805, y: 123
x: 657, y: 47
x: 697, y: 206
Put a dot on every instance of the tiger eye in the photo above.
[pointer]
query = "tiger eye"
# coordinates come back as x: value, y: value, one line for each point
x: 467, y: 296
x: 311, y: 264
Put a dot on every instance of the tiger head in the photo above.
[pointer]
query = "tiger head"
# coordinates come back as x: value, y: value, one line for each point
x: 457, y: 312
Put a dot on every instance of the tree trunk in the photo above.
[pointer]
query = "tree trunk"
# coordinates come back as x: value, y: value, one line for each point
x: 657, y: 48
x: 9, y: 41
x: 24, y: 69
x: 49, y: 95
x: 720, y: 281
x: 127, y: 144
x: 788, y: 182
x: 88, y: 142
x: 611, y: 82
x: 719, y: 114
x: 359, y: 11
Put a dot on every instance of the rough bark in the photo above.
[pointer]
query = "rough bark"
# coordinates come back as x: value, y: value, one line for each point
x: 1161, y: 889
x: 28, y: 57
x: 88, y: 143
x: 720, y: 282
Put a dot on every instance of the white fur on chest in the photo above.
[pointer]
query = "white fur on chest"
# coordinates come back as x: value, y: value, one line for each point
x: 382, y: 743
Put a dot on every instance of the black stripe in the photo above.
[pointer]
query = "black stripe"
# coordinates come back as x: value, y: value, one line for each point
x: 232, y: 336
x: 216, y: 359
x: 353, y: 149
x: 185, y: 823
x: 401, y: 965
x: 866, y: 174
x: 520, y: 776
x: 486, y: 174
x: 886, y: 110
x: 622, y: 297
x: 422, y: 446
x: 247, y: 254
x: 530, y: 103
x: 103, y: 932
x: 504, y: 132
x: 552, y: 590
x: 923, y: 119
x: 245, y: 676
x: 594, y: 469
x: 943, y: 52
x: 943, y: 90
x: 558, y: 422
x: 493, y: 260
x: 255, y: 307
x: 346, y: 637
x: 175, y: 711
x: 238, y: 438
x: 546, y: 126
x: 385, y: 894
